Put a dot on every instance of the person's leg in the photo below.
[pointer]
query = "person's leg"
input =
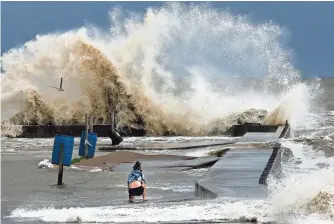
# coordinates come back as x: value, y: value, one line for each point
x: 144, y: 191
x: 131, y: 196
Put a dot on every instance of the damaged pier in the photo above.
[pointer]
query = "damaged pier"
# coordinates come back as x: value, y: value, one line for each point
x: 243, y: 172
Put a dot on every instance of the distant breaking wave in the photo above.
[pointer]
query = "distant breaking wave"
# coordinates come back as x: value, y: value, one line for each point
x: 189, y: 70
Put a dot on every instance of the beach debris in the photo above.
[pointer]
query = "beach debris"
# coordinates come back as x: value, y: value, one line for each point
x: 45, y: 164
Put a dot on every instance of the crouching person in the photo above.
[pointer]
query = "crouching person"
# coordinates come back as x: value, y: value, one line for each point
x: 136, y: 183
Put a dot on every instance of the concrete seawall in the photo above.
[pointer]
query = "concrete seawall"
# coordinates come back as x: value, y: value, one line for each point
x: 241, y: 129
x: 272, y: 163
x: 243, y: 172
x: 49, y: 131
x: 236, y: 174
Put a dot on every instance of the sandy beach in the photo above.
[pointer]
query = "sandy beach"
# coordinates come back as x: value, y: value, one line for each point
x: 119, y: 157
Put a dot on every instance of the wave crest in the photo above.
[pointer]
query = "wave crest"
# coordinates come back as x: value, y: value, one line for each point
x: 161, y: 71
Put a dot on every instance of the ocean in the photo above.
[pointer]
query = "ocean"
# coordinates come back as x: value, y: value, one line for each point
x: 166, y: 73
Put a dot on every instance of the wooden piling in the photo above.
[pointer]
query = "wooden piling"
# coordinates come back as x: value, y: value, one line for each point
x: 60, y: 166
x: 86, y: 135
x: 112, y: 121
x: 91, y: 121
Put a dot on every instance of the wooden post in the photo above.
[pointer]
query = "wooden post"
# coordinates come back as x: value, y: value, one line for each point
x: 112, y: 121
x: 61, y: 167
x: 91, y: 123
x: 86, y: 135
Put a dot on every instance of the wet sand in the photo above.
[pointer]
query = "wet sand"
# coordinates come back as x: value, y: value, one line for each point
x: 119, y: 157
x: 26, y: 186
x: 169, y: 145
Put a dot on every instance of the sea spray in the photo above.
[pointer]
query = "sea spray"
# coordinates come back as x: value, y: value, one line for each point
x: 305, y: 193
x: 10, y: 130
x: 180, y: 69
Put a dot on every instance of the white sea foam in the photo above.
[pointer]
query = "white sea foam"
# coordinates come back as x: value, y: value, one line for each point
x: 45, y: 164
x: 308, y: 175
x: 152, y: 213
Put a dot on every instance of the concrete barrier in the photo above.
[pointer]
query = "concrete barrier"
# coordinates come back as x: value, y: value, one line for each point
x: 272, y: 163
x: 242, y: 129
x: 202, y: 192
x: 49, y: 131
x: 236, y: 174
x: 243, y: 172
x: 273, y: 168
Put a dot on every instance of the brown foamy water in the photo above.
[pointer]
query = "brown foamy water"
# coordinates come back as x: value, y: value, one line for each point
x: 172, y: 82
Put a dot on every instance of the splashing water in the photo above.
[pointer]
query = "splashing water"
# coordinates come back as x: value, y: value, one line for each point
x: 288, y: 202
x: 178, y: 68
x: 305, y: 194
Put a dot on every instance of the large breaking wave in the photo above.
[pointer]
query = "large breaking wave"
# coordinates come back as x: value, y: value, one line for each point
x: 185, y: 69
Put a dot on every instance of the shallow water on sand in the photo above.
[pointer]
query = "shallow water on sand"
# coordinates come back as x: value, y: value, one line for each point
x: 28, y: 188
x: 30, y: 195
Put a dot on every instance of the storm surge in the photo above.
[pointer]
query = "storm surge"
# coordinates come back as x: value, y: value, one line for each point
x: 183, y: 69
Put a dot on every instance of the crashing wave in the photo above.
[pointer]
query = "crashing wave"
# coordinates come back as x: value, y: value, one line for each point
x: 186, y: 78
x: 10, y: 130
x: 322, y: 203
